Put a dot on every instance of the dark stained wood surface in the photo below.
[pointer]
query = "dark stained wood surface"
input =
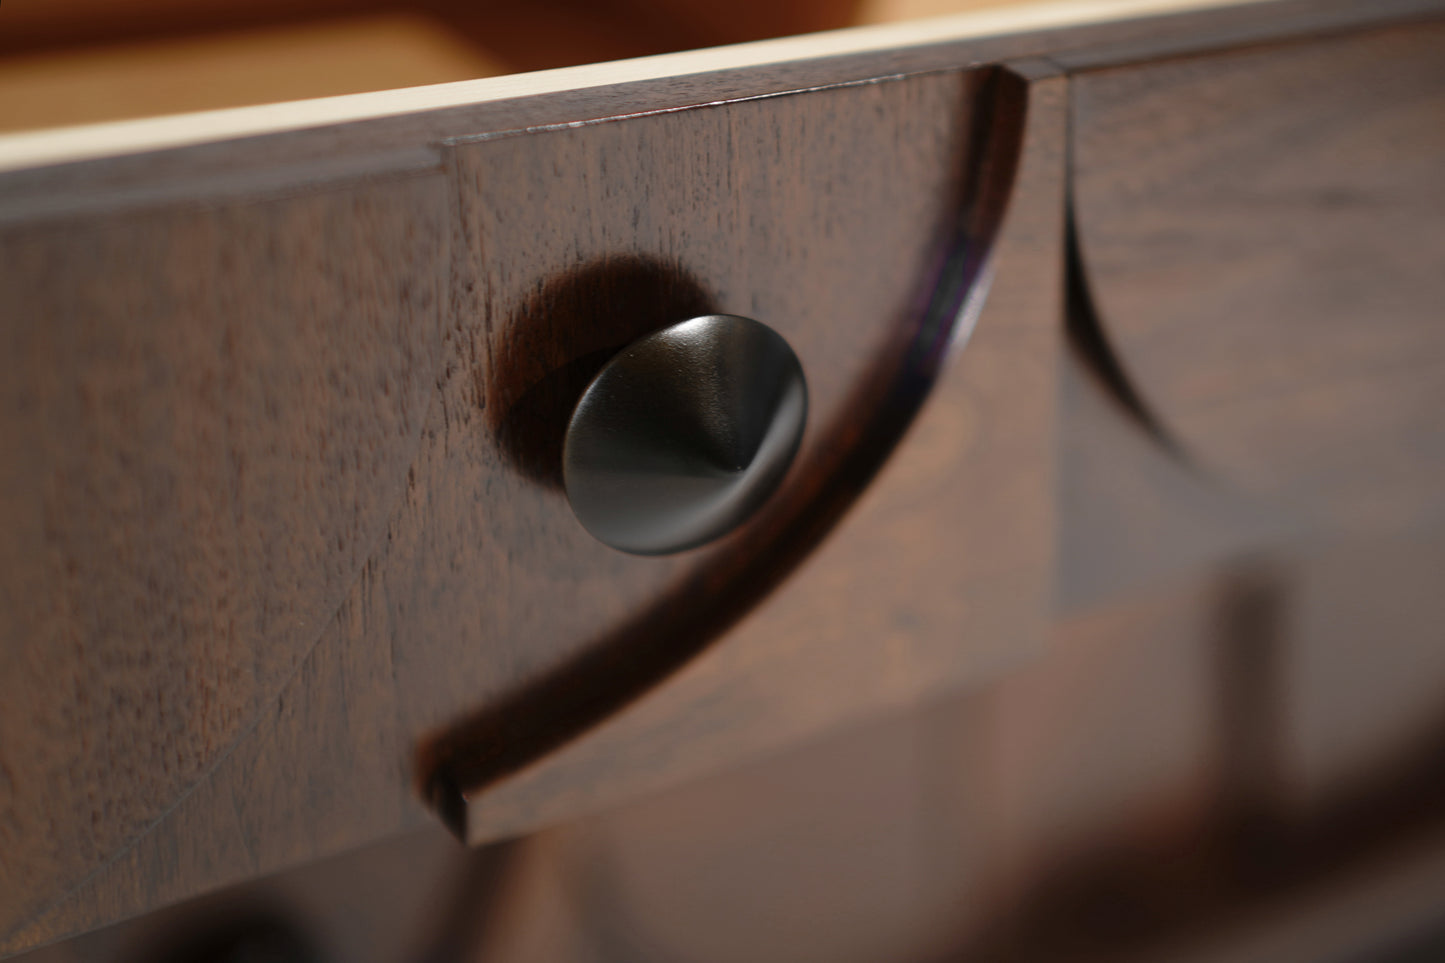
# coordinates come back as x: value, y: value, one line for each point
x: 482, y: 589
x: 731, y: 222
x: 1261, y: 234
x: 1131, y: 514
x: 210, y: 412
x: 1034, y: 819
x: 280, y: 434
x: 411, y: 897
x: 940, y: 575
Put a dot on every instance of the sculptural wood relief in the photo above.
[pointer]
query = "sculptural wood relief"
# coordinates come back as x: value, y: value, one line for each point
x: 1081, y: 305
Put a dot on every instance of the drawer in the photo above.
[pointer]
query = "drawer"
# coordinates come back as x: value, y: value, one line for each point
x: 291, y: 565
x: 287, y: 414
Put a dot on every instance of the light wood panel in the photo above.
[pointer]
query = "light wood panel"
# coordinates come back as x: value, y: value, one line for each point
x: 257, y: 66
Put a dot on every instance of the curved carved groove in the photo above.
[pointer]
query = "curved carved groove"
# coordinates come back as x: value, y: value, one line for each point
x: 631, y: 659
x: 1268, y: 284
x: 1087, y: 335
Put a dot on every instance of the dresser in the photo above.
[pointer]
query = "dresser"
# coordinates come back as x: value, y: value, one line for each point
x: 1073, y: 589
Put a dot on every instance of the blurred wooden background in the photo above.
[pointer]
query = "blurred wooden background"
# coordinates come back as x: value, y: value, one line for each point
x: 80, y: 61
x: 1168, y: 784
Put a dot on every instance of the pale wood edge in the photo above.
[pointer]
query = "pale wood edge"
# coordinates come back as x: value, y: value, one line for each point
x: 61, y: 145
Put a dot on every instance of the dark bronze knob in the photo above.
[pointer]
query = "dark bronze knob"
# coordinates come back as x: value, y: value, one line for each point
x: 684, y: 434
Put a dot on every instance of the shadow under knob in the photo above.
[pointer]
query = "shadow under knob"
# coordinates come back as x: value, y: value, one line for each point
x: 684, y: 434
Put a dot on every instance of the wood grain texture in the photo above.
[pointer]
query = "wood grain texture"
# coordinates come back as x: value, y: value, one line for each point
x: 870, y: 352
x: 941, y: 574
x: 209, y: 413
x: 482, y: 589
x: 1262, y: 236
x: 280, y: 471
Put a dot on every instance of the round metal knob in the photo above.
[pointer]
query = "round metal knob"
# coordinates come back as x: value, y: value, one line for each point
x: 684, y: 434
